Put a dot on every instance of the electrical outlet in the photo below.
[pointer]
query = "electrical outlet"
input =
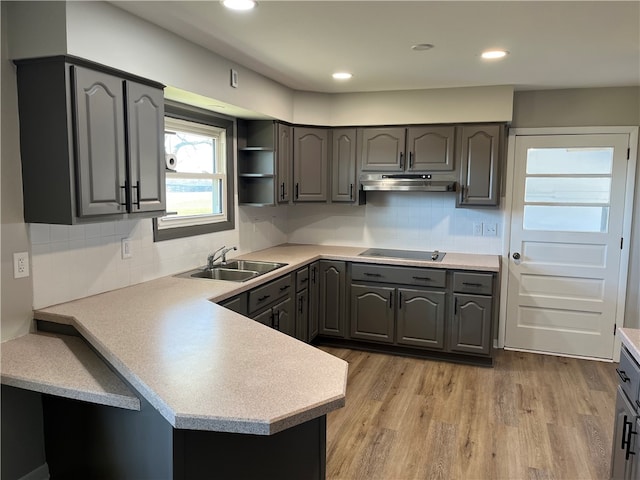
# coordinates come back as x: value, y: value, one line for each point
x: 125, y: 248
x: 21, y: 265
x: 490, y: 230
x: 477, y: 229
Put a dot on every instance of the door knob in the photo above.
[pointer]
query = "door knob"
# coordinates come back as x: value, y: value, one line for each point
x: 516, y: 256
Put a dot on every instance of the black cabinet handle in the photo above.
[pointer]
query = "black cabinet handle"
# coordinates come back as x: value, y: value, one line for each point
x: 282, y: 195
x: 399, y: 300
x: 455, y: 306
x: 391, y: 300
x: 624, y: 432
x: 123, y: 187
x: 351, y: 191
x: 470, y: 284
x: 300, y: 302
x: 623, y: 376
x: 462, y: 193
x: 262, y: 299
x: 422, y: 278
x: 304, y: 280
x: 630, y: 432
x: 297, y: 191
x: 137, y: 187
x: 284, y: 287
x: 410, y: 159
x: 313, y: 275
x: 276, y: 319
x: 401, y: 160
x: 372, y: 274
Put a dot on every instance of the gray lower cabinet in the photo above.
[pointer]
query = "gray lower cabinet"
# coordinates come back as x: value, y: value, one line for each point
x: 331, y: 298
x: 92, y: 142
x: 372, y: 313
x: 421, y: 318
x: 302, y: 304
x: 480, y: 149
x: 284, y: 319
x: 314, y: 298
x: 310, y: 164
x: 271, y: 305
x: 471, y: 324
x: 625, y: 450
x: 237, y: 304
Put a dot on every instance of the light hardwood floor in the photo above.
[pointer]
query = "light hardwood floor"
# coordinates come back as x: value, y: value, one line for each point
x: 529, y: 417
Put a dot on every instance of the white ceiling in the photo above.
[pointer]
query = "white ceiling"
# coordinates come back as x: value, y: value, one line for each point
x: 552, y: 44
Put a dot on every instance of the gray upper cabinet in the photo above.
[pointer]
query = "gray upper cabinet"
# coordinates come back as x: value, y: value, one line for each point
x: 479, y: 165
x: 428, y: 148
x: 145, y: 121
x: 431, y: 149
x: 256, y: 162
x: 343, y: 172
x: 91, y: 140
x: 310, y: 164
x: 284, y: 151
x: 382, y: 149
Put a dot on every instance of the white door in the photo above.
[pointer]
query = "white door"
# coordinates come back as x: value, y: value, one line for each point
x: 566, y: 232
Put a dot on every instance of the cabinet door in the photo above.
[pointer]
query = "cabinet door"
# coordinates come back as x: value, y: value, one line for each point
x: 237, y: 304
x: 431, y: 149
x: 310, y: 164
x: 314, y: 295
x: 284, y: 162
x: 145, y: 122
x: 372, y: 313
x: 471, y: 325
x: 302, y: 315
x: 266, y: 317
x: 479, y: 160
x: 343, y: 157
x: 382, y: 149
x: 331, y: 299
x: 625, y: 419
x: 284, y: 317
x: 100, y: 142
x: 421, y: 318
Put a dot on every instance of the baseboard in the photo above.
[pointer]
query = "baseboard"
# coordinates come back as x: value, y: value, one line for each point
x: 40, y: 473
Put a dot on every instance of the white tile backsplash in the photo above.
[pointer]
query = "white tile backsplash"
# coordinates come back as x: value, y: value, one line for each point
x: 70, y: 262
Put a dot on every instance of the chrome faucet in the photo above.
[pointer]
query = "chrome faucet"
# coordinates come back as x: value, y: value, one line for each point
x: 220, y: 254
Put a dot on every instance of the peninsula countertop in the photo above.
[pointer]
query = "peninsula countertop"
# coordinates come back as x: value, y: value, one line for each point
x: 204, y: 367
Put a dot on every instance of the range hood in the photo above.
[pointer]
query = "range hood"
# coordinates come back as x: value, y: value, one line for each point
x: 403, y: 182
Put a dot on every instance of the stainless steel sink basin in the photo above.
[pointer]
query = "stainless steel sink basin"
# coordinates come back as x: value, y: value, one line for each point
x: 254, y: 265
x: 234, y: 271
x: 233, y: 275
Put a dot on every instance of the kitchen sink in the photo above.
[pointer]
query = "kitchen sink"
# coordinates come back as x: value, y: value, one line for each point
x: 254, y: 265
x: 234, y: 271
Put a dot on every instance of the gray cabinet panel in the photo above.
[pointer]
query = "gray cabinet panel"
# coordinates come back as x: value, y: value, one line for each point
x: 302, y: 279
x: 314, y: 296
x: 100, y: 141
x: 145, y: 122
x: 372, y: 313
x: 431, y: 149
x: 624, y: 465
x: 284, y: 162
x: 343, y: 155
x: 479, y: 163
x: 382, y: 149
x: 310, y: 164
x: 477, y: 283
x: 471, y: 324
x: 421, y: 318
x: 427, y: 277
x: 284, y: 317
x: 266, y: 294
x: 237, y: 304
x: 302, y: 315
x: 331, y: 299
x: 265, y: 317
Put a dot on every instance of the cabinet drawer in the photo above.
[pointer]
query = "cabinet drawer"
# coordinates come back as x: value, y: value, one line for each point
x: 479, y: 283
x: 428, y: 277
x: 629, y: 376
x: 302, y: 279
x: 262, y: 296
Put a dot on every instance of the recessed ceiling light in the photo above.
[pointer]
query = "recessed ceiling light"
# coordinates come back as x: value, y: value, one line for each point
x: 342, y: 75
x: 422, y: 46
x: 493, y: 54
x: 239, y: 4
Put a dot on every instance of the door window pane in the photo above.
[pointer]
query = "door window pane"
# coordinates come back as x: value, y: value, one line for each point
x: 565, y: 218
x: 567, y: 189
x: 569, y: 161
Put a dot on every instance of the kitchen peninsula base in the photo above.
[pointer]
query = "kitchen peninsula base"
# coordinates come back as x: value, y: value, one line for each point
x: 84, y: 440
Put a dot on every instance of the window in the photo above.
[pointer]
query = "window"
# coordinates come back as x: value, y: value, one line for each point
x: 200, y: 191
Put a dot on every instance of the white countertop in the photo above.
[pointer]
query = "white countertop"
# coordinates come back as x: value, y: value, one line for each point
x: 630, y: 338
x: 207, y: 368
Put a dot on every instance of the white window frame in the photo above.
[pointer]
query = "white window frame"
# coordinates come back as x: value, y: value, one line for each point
x: 219, y: 135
